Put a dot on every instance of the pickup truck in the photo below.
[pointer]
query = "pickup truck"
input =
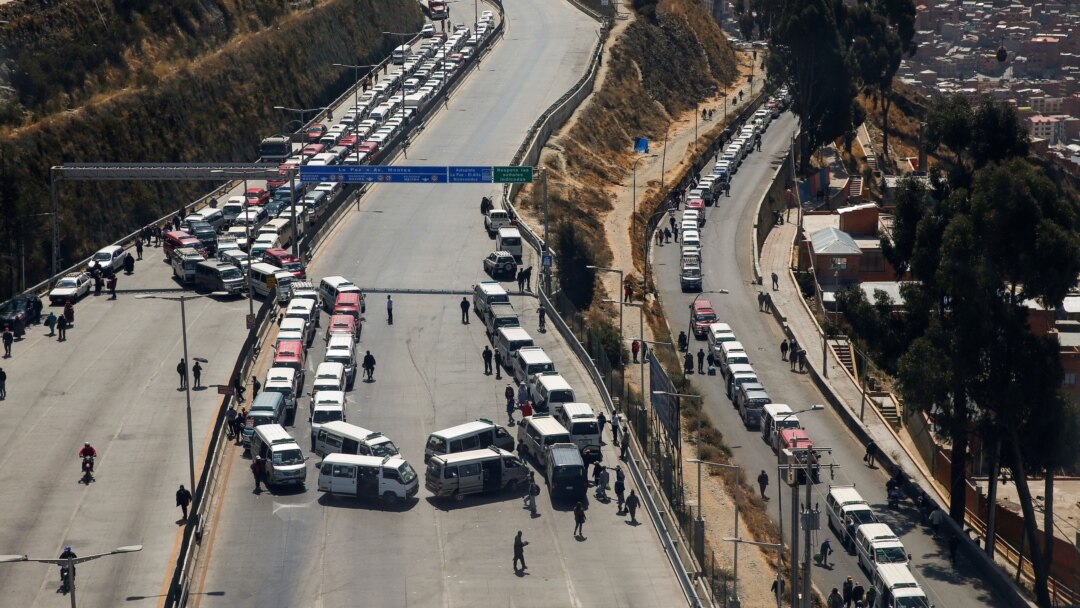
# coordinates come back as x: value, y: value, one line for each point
x: 495, y: 219
x: 690, y: 273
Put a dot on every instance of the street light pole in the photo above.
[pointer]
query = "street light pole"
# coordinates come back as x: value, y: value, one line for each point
x: 736, y: 468
x: 70, y: 562
x: 699, y: 524
x: 634, y: 215
x: 779, y: 547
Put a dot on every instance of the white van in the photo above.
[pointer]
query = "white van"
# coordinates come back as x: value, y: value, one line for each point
x: 330, y: 287
x: 529, y: 361
x: 305, y: 311
x: 480, y: 433
x: 485, y: 470
x: 774, y: 418
x: 878, y: 544
x: 389, y: 478
x: 401, y: 54
x: 896, y: 586
x: 486, y: 293
x: 279, y: 227
x: 263, y: 282
x: 718, y: 334
x: 508, y: 340
x: 509, y: 239
x: 285, y: 461
x: 691, y: 238
x: 297, y: 327
x: 340, y: 350
x: 739, y: 373
x: 731, y: 353
x: 847, y: 511
x: 537, y: 433
x: 581, y: 422
x: 283, y: 280
x: 286, y: 381
x: 343, y: 438
x: 327, y: 406
x: 329, y: 376
x: 549, y: 391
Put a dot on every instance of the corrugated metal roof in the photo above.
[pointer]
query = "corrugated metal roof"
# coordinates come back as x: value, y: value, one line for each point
x: 833, y: 241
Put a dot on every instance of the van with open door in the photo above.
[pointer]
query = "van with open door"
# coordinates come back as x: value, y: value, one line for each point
x: 389, y: 478
x: 474, y: 472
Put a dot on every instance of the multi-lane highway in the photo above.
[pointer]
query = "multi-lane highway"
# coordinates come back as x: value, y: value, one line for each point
x: 728, y: 264
x: 304, y: 548
x: 113, y: 383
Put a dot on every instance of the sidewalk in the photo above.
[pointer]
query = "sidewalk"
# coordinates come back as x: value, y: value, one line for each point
x: 835, y: 383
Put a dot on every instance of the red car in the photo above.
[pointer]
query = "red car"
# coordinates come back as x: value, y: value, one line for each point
x: 313, y: 149
x: 284, y: 171
x: 315, y: 132
x: 696, y: 203
x: 256, y: 197
x: 371, y: 148
x: 349, y: 141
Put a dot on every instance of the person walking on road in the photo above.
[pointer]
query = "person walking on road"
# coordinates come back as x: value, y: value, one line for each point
x: 615, y: 428
x: 389, y: 310
x: 601, y: 420
x: 936, y: 519
x: 61, y: 328
x: 486, y: 356
x: 701, y: 360
x: 783, y: 350
x: 541, y: 312
x: 110, y: 284
x: 519, y: 552
x: 258, y: 469
x: 620, y: 488
x: 369, y: 367
x: 183, y: 499
x: 763, y: 482
x: 793, y: 356
x: 775, y: 282
x: 802, y: 360
x: 509, y: 394
x: 181, y: 368
x: 602, y: 484
x: 138, y: 248
x: 635, y: 348
x: 50, y: 322
x: 255, y: 386
x: 857, y: 593
x: 871, y: 454
x: 521, y: 280
x: 498, y: 365
x: 522, y: 393
x: 848, y: 586
x: 835, y: 601
x: 632, y: 504
x: 761, y: 301
x: 579, y: 521
x: 238, y: 388
x: 9, y: 339
x: 826, y: 550
x: 230, y: 421
x: 871, y: 597
x: 3, y: 384
x: 196, y: 372
x: 464, y: 310
x: 528, y: 279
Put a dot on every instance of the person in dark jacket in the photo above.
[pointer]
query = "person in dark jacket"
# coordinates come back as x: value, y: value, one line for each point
x: 183, y: 499
x: 486, y: 356
x: 498, y: 365
x: 701, y: 361
x: 519, y: 552
x: 464, y: 310
x: 632, y: 504
x: 369, y: 367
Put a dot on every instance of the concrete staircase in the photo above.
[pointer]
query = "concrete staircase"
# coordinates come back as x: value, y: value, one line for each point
x: 888, y: 408
x: 841, y: 347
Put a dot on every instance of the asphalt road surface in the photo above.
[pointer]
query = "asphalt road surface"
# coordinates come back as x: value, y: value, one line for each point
x: 303, y: 548
x: 726, y: 239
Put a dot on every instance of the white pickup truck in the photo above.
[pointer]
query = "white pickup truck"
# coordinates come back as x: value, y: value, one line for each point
x: 495, y: 219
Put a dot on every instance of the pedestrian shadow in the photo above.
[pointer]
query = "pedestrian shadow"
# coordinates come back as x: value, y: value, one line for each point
x: 580, y: 538
x: 633, y: 523
x: 521, y: 573
x: 200, y: 388
x: 901, y: 521
x: 182, y: 521
x: 449, y: 503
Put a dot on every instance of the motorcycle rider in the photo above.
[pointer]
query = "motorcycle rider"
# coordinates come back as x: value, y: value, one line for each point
x: 67, y: 554
x: 88, y: 451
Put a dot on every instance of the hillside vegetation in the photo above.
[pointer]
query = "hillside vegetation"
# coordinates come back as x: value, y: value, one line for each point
x: 671, y: 57
x: 195, y: 82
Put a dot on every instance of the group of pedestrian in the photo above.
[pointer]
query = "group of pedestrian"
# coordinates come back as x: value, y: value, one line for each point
x: 524, y: 279
x: 764, y: 302
x: 851, y: 593
x: 707, y: 114
x: 792, y: 353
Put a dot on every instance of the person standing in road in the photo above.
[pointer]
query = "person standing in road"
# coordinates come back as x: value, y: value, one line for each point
x: 183, y: 499
x: 632, y: 504
x: 871, y: 454
x: 531, y: 492
x: 763, y: 482
x: 498, y: 365
x: 936, y: 519
x: 628, y: 292
x: 871, y: 597
x: 620, y: 488
x: 61, y: 327
x: 541, y: 312
x: 857, y: 593
x: 521, y: 280
x: 602, y: 484
x: 258, y: 469
x: 761, y: 301
x: 138, y: 248
x: 783, y: 350
x: 635, y: 348
x: 519, y: 552
x: 615, y: 428
x: 486, y: 356
x: 528, y: 279
x: 601, y: 420
x: 667, y: 235
x: 196, y: 372
x: 775, y: 282
x: 579, y: 521
x: 802, y: 360
x: 847, y: 588
x: 230, y: 421
x: 389, y: 310
x: 523, y: 393
x: 835, y: 601
x: 826, y: 551
x: 9, y: 339
x: 369, y: 367
x: 255, y: 386
x: 624, y: 452
x: 50, y: 322
x: 526, y: 409
x: 701, y: 360
x: 181, y: 368
x: 3, y: 384
x: 464, y: 310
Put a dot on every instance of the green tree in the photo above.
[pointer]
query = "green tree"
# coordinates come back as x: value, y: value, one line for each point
x: 990, y: 132
x: 746, y: 26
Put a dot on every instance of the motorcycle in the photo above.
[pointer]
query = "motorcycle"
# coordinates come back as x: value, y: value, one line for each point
x: 64, y: 586
x: 87, y: 469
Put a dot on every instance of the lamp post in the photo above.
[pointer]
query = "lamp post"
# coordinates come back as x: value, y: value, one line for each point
x: 187, y: 366
x: 404, y: 141
x: 70, y: 562
x: 730, y: 467
x: 794, y: 505
x: 641, y: 339
x: 690, y: 325
x: 634, y: 216
x: 779, y: 547
x: 302, y: 112
x: 699, y: 523
x: 621, y: 287
x: 356, y: 95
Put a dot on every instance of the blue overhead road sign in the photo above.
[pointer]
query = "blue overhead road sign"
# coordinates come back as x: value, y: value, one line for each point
x: 374, y: 174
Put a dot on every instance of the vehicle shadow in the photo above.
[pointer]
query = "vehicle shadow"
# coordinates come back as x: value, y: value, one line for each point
x: 367, y: 504
x: 902, y: 520
x: 449, y: 503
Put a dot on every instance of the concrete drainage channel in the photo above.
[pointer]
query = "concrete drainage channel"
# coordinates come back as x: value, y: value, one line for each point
x: 190, y: 549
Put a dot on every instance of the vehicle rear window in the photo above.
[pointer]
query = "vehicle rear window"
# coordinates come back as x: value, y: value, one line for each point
x: 585, y: 428
x: 501, y: 298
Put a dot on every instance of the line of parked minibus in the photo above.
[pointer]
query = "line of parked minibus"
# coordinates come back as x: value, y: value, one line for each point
x: 878, y: 548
